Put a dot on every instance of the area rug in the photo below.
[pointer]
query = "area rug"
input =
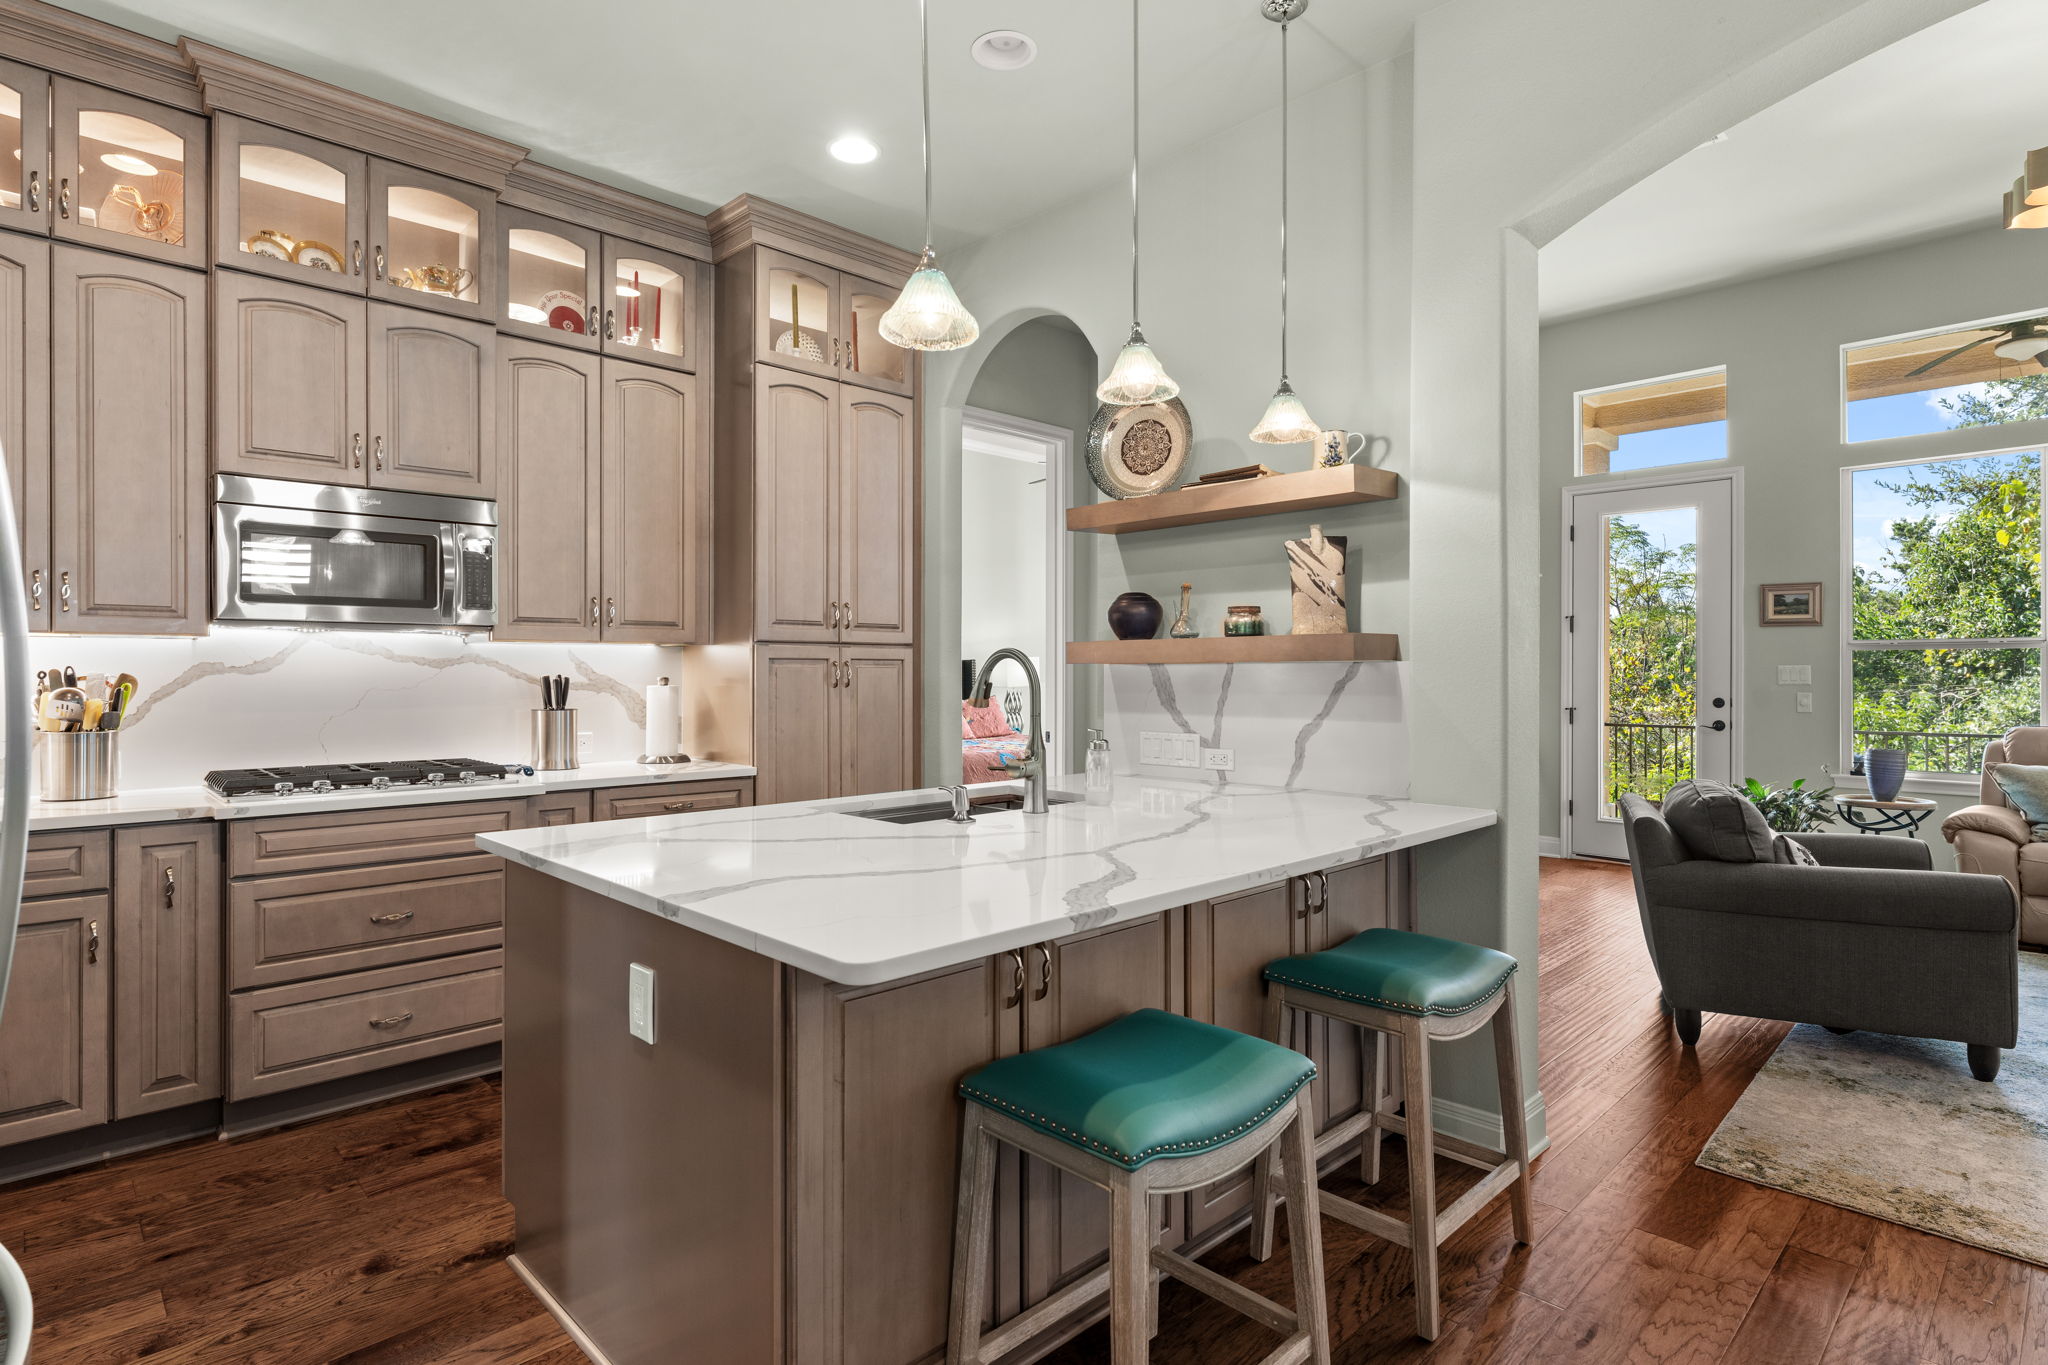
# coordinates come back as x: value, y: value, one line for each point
x: 1898, y: 1128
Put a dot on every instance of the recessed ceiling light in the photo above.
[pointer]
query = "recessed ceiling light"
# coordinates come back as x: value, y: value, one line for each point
x: 1004, y: 49
x: 854, y: 150
x: 134, y: 165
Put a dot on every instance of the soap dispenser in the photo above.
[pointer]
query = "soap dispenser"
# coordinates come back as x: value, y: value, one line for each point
x: 1099, y: 776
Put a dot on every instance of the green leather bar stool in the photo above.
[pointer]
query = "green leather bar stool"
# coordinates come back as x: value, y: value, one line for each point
x: 1419, y: 990
x: 1151, y: 1104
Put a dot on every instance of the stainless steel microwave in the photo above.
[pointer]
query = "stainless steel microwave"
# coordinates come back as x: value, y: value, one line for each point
x: 316, y: 554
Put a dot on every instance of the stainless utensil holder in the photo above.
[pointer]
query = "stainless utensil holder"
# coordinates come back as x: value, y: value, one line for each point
x: 554, y: 740
x: 79, y: 765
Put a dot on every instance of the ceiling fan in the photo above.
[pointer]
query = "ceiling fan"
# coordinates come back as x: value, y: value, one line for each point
x: 2018, y: 341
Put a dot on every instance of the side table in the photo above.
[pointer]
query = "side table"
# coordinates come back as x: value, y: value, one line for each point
x: 1904, y: 815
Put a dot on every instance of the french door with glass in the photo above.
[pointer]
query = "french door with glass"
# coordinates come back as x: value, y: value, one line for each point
x: 1650, y: 646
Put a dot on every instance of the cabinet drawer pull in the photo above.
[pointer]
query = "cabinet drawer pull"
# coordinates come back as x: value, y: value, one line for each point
x: 357, y: 448
x: 377, y: 259
x: 92, y: 942
x: 681, y: 805
x: 170, y: 889
x: 1016, y: 980
x: 1322, y: 892
x: 1044, y: 971
x: 35, y: 590
x: 64, y: 197
x: 593, y: 611
x: 395, y: 917
x: 64, y: 591
x: 611, y: 329
x: 392, y: 1020
x: 35, y: 191
x: 377, y: 451
x: 611, y: 611
x: 355, y: 256
x: 592, y: 328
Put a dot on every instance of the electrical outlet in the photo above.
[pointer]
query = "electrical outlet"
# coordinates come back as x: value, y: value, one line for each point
x: 640, y: 1001
x: 1223, y: 759
x: 1793, y: 675
x: 583, y: 738
x: 1169, y: 749
x: 1805, y: 703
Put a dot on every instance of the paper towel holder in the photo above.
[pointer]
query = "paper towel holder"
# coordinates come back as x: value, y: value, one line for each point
x: 664, y: 759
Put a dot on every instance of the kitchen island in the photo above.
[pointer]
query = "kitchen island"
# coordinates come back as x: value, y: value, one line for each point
x: 771, y: 1179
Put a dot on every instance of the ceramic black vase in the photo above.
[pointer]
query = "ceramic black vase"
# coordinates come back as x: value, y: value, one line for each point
x: 1135, y: 616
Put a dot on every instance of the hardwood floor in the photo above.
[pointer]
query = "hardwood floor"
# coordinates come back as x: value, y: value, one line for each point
x: 379, y: 1236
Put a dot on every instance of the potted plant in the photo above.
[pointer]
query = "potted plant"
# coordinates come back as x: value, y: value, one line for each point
x: 1794, y: 809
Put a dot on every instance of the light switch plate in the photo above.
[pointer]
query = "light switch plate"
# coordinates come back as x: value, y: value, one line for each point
x: 640, y: 1001
x: 1794, y: 675
x: 1169, y: 749
x: 1224, y: 760
x: 1805, y: 703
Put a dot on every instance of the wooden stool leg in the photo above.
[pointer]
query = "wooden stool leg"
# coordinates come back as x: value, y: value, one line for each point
x: 1130, y: 1272
x: 1305, y: 1228
x: 1155, y: 1280
x: 1421, y: 1176
x: 1371, y: 1053
x: 973, y: 1228
x: 1507, y: 1056
x: 1264, y: 1189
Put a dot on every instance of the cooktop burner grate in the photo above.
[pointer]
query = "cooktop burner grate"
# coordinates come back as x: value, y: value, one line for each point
x: 315, y: 778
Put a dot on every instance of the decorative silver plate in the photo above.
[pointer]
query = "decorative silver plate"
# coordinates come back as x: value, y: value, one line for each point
x: 1137, y: 450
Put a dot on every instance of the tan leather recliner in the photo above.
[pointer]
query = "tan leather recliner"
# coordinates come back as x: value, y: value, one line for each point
x: 1993, y: 837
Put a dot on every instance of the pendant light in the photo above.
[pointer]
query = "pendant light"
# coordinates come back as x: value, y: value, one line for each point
x: 2027, y: 205
x: 1286, y: 421
x: 928, y: 315
x: 1137, y: 376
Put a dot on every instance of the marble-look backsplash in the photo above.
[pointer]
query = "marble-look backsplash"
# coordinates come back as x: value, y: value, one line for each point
x: 1322, y: 727
x: 242, y: 698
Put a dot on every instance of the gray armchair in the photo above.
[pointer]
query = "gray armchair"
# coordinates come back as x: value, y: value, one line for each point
x: 1871, y: 939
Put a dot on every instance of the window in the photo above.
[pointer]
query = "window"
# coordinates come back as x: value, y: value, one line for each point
x: 1979, y: 374
x: 1945, y: 637
x: 1680, y: 419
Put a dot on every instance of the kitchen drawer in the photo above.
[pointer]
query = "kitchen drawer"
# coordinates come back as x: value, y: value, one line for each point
x: 319, y: 923
x: 67, y: 863
x: 562, y: 808
x: 675, y: 798
x: 307, y: 843
x: 288, y: 1036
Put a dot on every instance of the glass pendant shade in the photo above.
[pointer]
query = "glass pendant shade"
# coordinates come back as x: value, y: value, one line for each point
x: 1286, y: 421
x: 1137, y: 376
x: 928, y: 315
x: 2019, y: 213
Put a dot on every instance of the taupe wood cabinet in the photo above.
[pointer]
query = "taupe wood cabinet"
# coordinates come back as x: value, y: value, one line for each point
x: 115, y: 1006
x: 638, y: 302
x: 127, y: 511
x: 26, y: 207
x: 809, y: 317
x: 834, y: 721
x: 25, y: 408
x: 605, y: 493
x: 289, y: 206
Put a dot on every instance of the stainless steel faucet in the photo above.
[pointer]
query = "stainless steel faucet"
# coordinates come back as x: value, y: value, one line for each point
x: 1033, y: 766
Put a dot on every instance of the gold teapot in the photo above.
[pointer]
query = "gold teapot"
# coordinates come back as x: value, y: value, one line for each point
x: 434, y: 279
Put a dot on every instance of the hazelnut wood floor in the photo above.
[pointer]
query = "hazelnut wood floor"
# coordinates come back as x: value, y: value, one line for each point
x: 379, y: 1236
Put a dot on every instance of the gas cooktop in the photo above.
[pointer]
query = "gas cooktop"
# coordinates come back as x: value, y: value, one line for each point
x: 315, y: 779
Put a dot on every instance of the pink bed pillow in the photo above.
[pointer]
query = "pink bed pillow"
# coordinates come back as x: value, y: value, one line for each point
x: 985, y: 722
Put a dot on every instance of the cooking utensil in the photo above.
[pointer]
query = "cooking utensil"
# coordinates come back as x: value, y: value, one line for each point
x: 66, y: 707
x: 94, y: 709
x: 70, y: 676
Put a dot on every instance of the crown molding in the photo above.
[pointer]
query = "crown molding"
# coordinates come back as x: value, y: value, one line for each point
x: 753, y: 221
x: 73, y: 45
x: 592, y: 203
x: 234, y: 84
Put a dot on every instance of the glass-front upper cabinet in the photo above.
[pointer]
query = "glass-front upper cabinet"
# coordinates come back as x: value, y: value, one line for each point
x: 650, y: 305
x: 24, y: 148
x: 796, y: 311
x: 551, y: 286
x: 433, y: 241
x: 130, y: 174
x: 289, y: 205
x: 869, y: 360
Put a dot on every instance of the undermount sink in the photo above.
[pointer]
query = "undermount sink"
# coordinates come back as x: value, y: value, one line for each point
x: 924, y: 812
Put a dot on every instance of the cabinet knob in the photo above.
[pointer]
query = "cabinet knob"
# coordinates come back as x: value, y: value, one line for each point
x: 377, y: 259
x: 64, y: 197
x: 170, y: 889
x: 355, y: 256
x: 92, y: 942
x: 35, y: 590
x: 64, y: 591
x: 35, y: 191
x: 358, y: 449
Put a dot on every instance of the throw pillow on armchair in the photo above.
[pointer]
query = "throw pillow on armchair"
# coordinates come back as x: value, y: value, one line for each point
x: 2026, y: 787
x: 1716, y: 822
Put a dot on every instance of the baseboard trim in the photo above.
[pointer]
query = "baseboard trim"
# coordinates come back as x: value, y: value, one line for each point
x: 1549, y: 846
x: 244, y: 1117
x: 1483, y: 1126
x: 557, y: 1312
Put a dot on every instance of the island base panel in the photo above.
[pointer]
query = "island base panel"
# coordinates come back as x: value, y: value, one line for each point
x: 644, y: 1178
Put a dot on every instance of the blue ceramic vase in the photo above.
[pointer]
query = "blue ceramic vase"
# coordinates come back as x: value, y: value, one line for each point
x: 1885, y: 770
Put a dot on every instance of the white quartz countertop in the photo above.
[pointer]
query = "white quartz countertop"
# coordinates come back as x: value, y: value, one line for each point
x: 862, y: 901
x: 197, y: 803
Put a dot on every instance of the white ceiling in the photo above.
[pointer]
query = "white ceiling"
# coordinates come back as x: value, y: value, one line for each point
x: 1914, y: 141
x: 702, y: 101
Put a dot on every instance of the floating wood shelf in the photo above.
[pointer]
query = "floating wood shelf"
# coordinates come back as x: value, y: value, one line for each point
x: 1237, y: 649
x: 1303, y: 491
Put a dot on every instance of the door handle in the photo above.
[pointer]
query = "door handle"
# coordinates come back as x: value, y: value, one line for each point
x: 611, y: 611
x: 392, y: 1020
x: 170, y: 889
x: 395, y: 917
x: 1044, y: 971
x: 35, y: 590
x: 836, y: 361
x: 1717, y: 725
x: 377, y: 259
x: 593, y: 319
x: 1016, y: 980
x: 357, y: 448
x: 611, y: 330
x: 64, y: 197
x: 35, y: 191
x: 1322, y: 891
x: 593, y: 611
x: 355, y: 256
x: 377, y: 452
x: 64, y: 591
x: 92, y: 942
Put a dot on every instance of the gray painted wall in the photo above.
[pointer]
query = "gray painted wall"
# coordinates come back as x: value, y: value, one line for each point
x: 1780, y: 339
